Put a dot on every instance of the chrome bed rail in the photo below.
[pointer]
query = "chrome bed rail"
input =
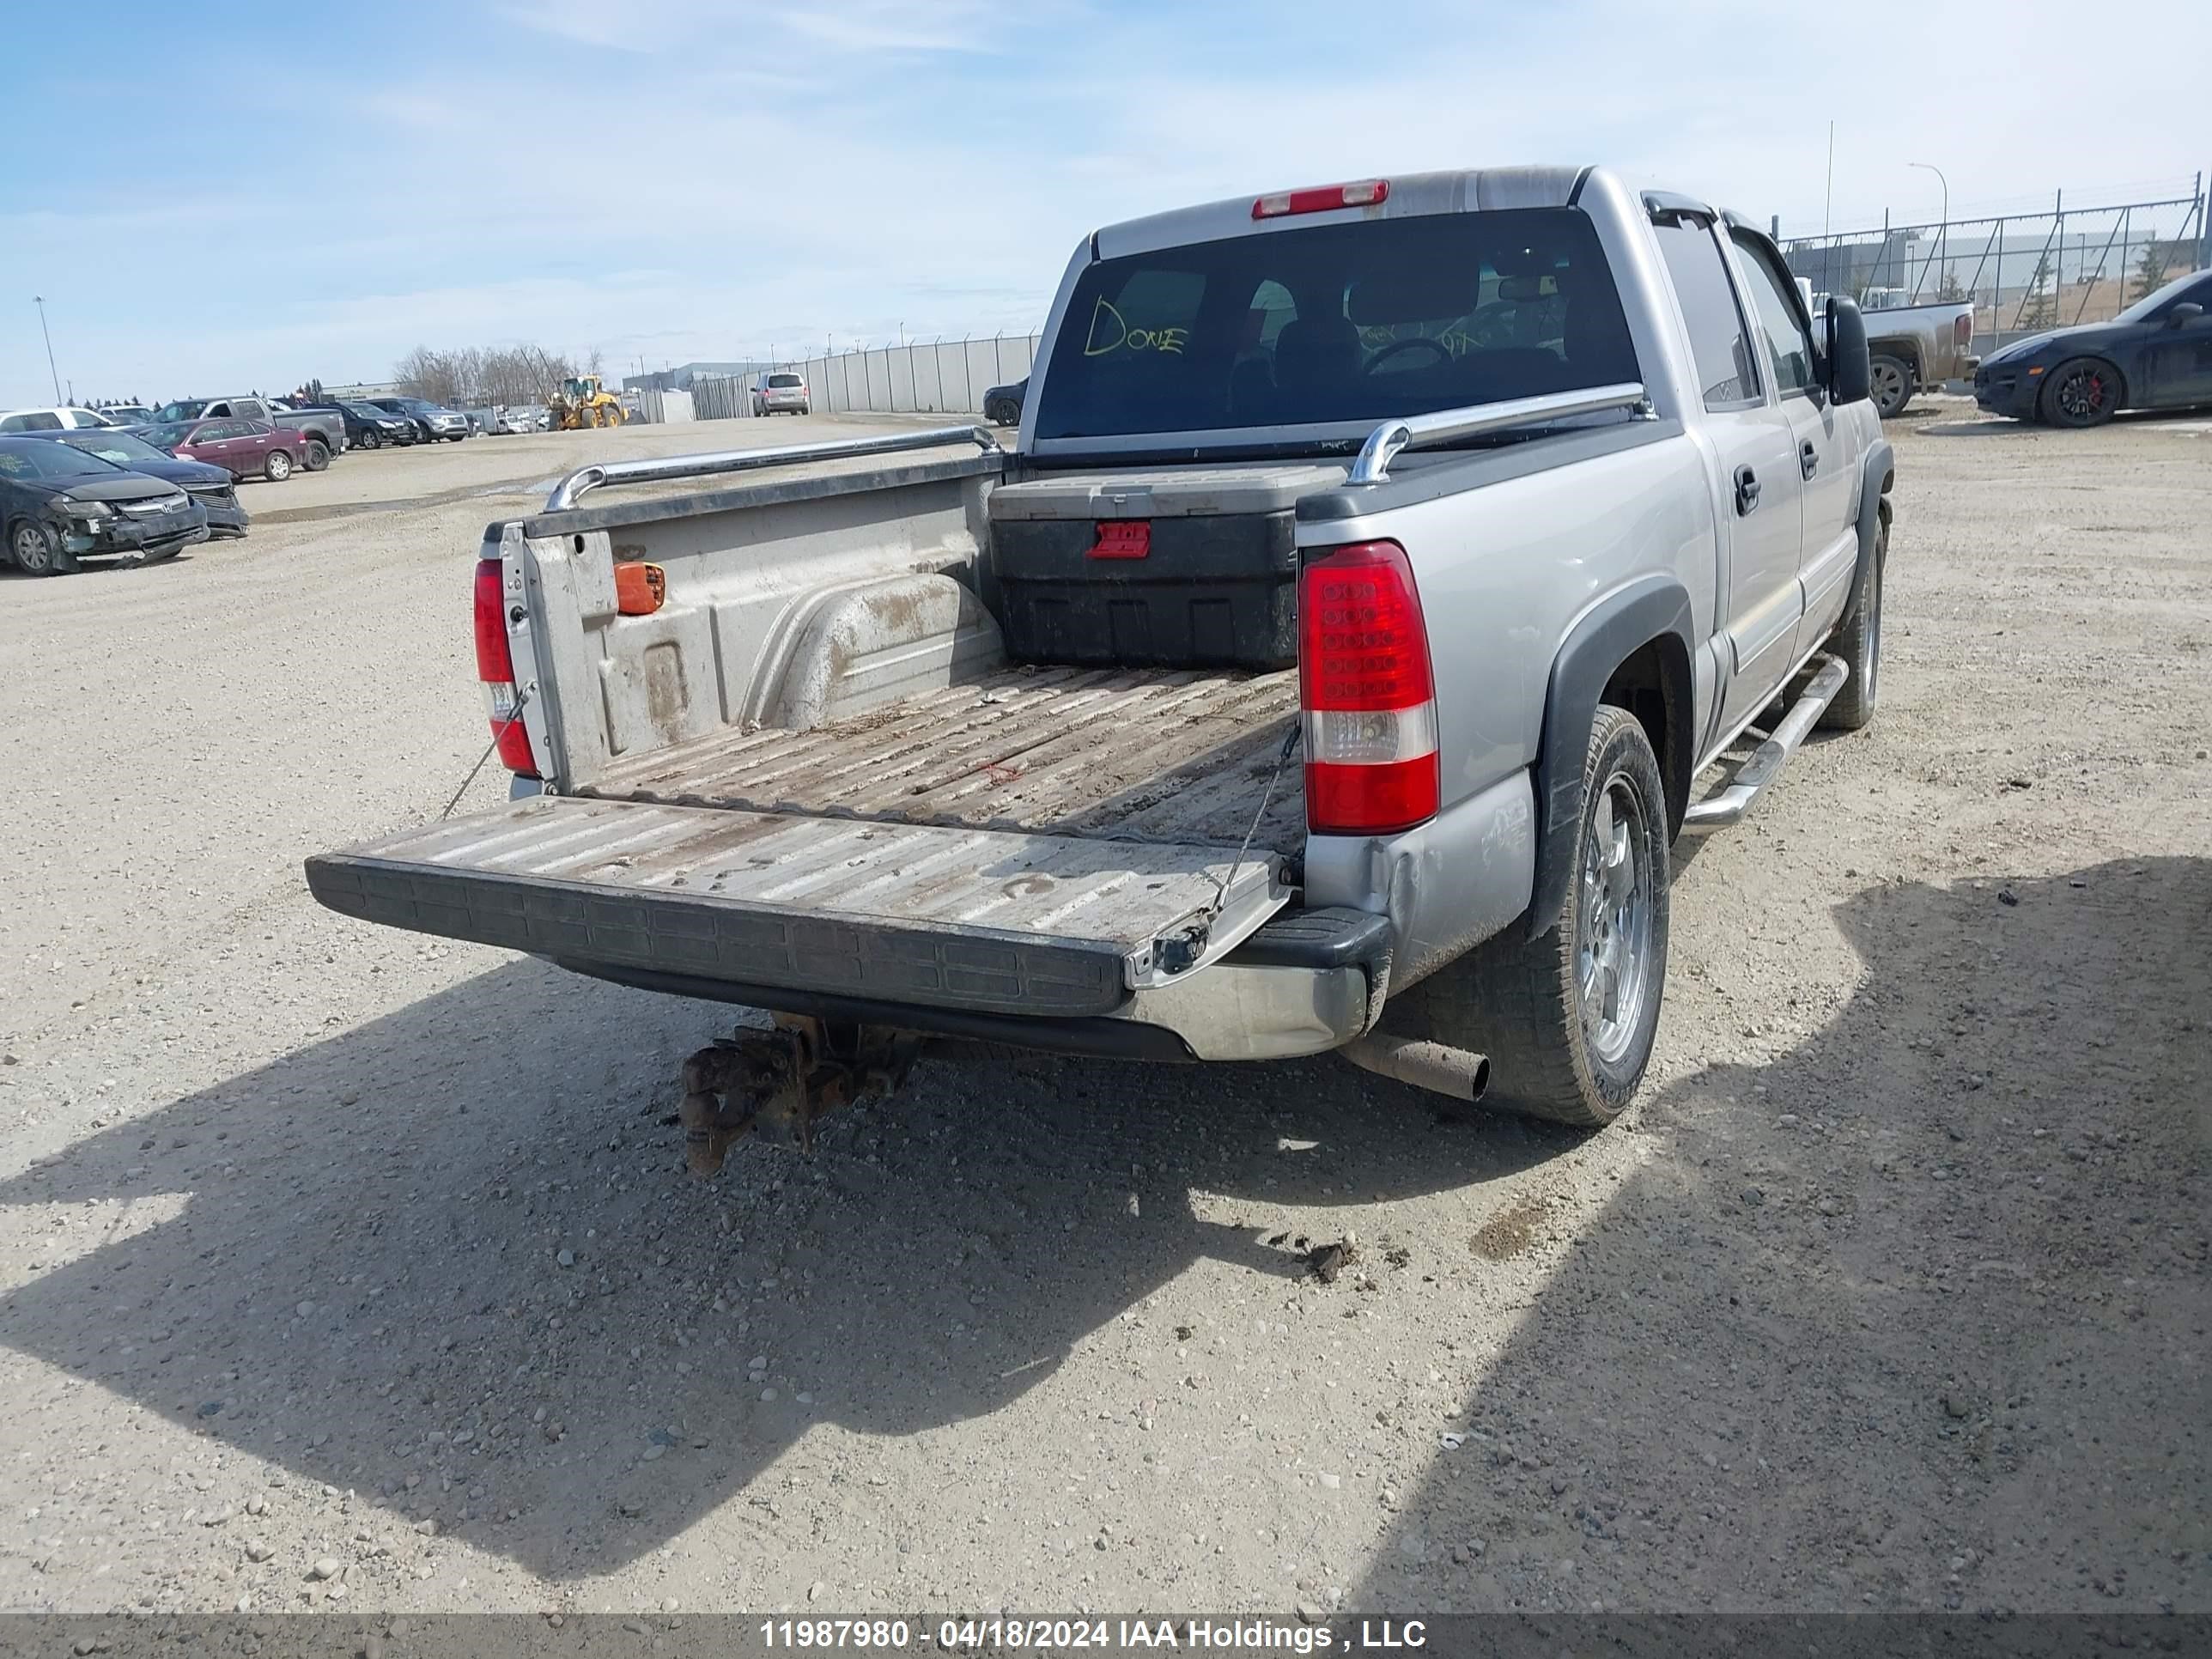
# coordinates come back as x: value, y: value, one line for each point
x: 662, y: 469
x: 1390, y: 439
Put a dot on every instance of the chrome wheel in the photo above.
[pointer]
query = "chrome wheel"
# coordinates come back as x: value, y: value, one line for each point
x: 1612, y: 922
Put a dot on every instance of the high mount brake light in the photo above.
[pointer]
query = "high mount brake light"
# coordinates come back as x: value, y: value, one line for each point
x: 1322, y: 198
x: 495, y: 669
x: 1368, y: 693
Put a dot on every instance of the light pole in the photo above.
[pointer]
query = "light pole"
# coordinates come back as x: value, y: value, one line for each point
x: 1944, y: 230
x: 39, y: 300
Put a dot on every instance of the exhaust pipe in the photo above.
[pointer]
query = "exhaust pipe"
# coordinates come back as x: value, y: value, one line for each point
x: 1459, y: 1073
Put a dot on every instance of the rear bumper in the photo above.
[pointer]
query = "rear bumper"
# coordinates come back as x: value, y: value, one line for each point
x: 1233, y: 1010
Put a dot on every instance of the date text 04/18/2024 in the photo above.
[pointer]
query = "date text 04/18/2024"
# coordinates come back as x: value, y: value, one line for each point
x: 1002, y: 1635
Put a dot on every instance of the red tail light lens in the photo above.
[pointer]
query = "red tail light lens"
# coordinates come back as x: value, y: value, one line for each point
x: 1323, y: 198
x: 1368, y: 693
x: 495, y: 669
x: 1962, y: 331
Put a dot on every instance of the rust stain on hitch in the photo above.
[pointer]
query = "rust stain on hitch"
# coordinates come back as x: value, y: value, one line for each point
x: 776, y: 1084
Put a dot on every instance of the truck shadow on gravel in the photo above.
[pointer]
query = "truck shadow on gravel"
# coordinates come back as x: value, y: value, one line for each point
x: 450, y: 1261
x: 1912, y: 1316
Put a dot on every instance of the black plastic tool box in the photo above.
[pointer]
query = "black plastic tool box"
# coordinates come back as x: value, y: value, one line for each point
x: 1185, y: 570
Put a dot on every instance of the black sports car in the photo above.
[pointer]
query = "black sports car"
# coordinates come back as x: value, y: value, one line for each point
x: 59, y: 504
x: 2157, y: 354
x: 212, y: 487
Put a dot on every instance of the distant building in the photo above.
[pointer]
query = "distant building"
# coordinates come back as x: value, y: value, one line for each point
x: 354, y: 391
x: 680, y: 378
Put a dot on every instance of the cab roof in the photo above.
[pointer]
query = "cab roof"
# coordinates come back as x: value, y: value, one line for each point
x: 1464, y: 190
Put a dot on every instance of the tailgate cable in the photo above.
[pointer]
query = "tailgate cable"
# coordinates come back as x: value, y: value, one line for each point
x: 1180, y: 953
x: 1282, y: 759
x: 498, y: 733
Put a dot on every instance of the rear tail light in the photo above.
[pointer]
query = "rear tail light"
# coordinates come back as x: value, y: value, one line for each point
x: 1962, y: 331
x: 1322, y: 199
x: 1368, y: 693
x: 495, y: 668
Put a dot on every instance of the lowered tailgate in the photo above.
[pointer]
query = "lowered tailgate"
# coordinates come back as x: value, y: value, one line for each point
x: 998, y: 920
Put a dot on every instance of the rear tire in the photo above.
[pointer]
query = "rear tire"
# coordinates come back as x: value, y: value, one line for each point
x: 276, y: 467
x: 318, y: 455
x: 1858, y: 643
x: 1893, y: 385
x: 1568, y: 1019
x: 2080, y: 391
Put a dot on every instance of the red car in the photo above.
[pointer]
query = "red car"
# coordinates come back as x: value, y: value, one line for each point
x: 250, y: 449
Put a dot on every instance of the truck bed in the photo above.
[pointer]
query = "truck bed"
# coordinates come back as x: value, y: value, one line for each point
x: 1172, y: 757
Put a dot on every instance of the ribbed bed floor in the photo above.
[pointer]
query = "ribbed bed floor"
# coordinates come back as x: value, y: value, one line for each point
x: 1126, y: 754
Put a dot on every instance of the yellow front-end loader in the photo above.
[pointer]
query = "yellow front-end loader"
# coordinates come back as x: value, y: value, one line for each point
x: 582, y: 402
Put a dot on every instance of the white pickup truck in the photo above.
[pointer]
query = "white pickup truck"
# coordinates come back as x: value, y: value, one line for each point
x: 1330, y: 666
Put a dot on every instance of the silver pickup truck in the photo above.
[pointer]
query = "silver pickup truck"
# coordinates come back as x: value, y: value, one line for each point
x: 1380, y: 570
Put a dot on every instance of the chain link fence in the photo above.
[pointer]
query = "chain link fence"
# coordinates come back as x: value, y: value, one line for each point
x: 2024, y: 272
x: 921, y: 377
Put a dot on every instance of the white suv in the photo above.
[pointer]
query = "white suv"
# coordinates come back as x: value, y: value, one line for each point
x: 60, y: 418
x: 779, y: 392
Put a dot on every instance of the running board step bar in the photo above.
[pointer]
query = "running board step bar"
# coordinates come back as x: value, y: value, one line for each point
x: 1727, y: 805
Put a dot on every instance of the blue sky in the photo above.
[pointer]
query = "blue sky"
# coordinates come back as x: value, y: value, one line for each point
x: 217, y: 195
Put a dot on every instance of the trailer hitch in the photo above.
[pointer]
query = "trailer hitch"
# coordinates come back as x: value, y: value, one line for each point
x: 776, y: 1084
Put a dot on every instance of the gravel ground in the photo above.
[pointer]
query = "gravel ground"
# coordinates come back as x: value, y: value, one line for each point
x: 340, y: 1267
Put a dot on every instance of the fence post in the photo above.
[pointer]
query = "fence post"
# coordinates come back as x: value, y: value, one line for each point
x: 967, y: 377
x: 2059, y: 266
x: 1996, y: 293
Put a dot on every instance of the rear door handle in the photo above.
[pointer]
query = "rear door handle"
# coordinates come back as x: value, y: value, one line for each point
x: 1747, y: 491
x: 1808, y: 458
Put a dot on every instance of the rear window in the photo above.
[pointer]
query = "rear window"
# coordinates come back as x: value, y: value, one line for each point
x: 784, y: 380
x: 1337, y: 323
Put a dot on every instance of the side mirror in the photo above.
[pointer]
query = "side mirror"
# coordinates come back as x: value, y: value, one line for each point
x: 2183, y: 314
x: 1850, y: 365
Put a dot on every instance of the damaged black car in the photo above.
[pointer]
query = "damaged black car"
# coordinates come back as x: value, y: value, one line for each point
x: 212, y: 487
x: 60, y: 505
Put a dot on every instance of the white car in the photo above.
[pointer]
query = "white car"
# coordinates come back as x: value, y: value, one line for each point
x: 61, y: 417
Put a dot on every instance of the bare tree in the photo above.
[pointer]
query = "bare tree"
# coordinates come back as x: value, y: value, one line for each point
x: 475, y: 375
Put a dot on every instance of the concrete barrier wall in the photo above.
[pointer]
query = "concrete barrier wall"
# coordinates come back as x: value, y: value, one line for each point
x: 923, y: 377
